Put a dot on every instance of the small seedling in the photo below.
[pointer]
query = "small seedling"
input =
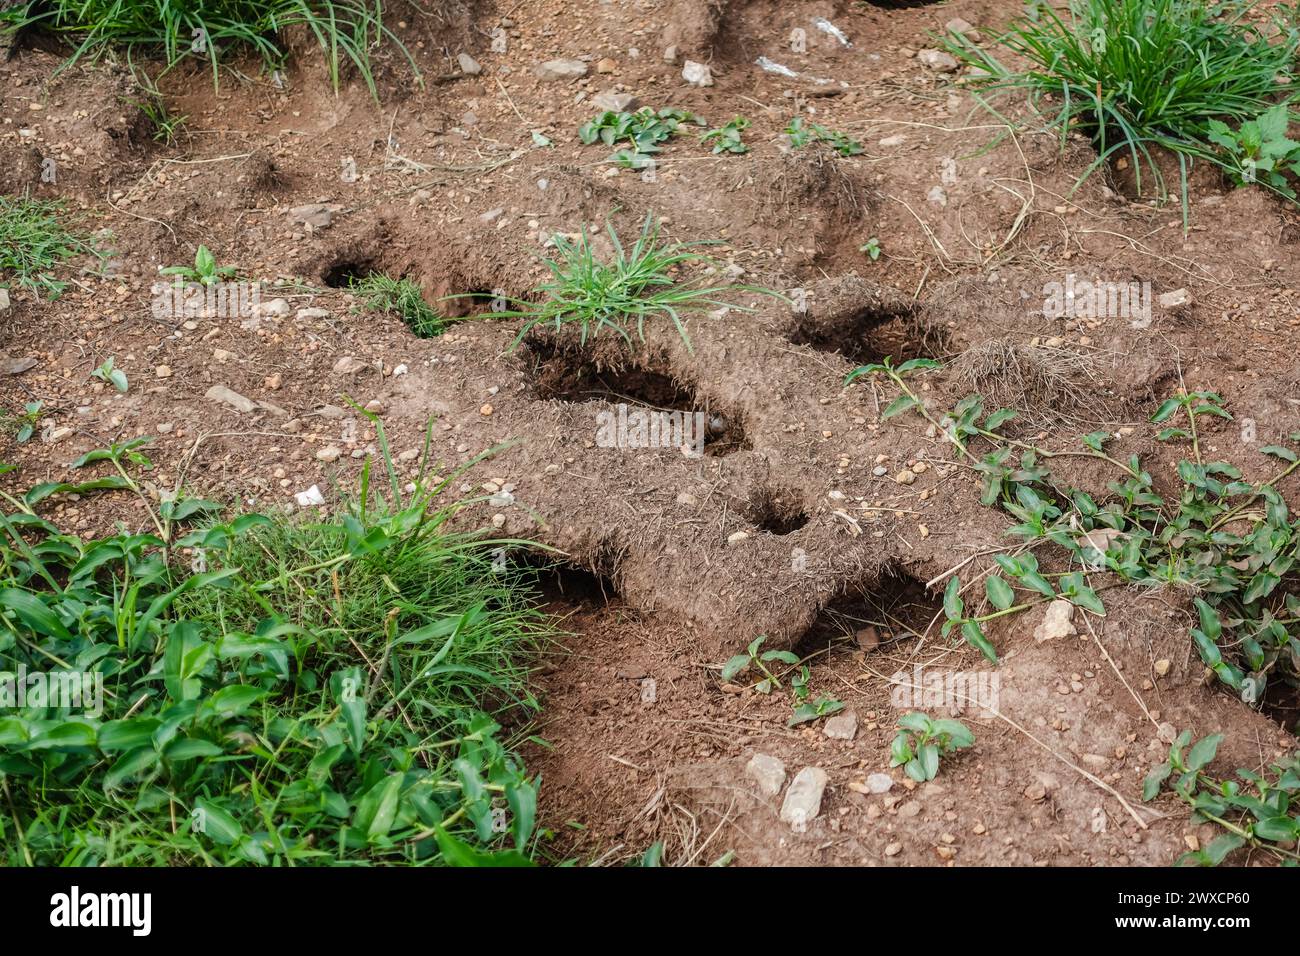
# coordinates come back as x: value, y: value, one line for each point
x: 758, y: 659
x: 872, y: 248
x: 205, y: 269
x: 824, y: 707
x: 922, y: 740
x: 114, y: 376
x: 23, y: 423
x: 801, y: 134
x: 642, y: 131
x: 804, y: 710
x: 726, y: 139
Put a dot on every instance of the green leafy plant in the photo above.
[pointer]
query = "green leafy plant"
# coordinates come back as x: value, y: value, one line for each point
x: 22, y: 424
x: 346, y: 32
x: 274, y: 691
x: 34, y: 241
x: 824, y: 706
x: 205, y: 269
x: 106, y: 372
x: 758, y: 659
x: 1259, y: 150
x: 726, y: 138
x: 1229, y: 542
x: 642, y: 131
x: 804, y: 709
x: 872, y: 248
x: 640, y: 283
x: 378, y: 291
x: 801, y: 134
x: 1134, y: 75
x: 1256, y: 810
x: 921, y: 742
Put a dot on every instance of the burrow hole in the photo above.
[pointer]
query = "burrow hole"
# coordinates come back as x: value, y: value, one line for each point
x: 894, y: 608
x: 870, y: 335
x: 776, y: 512
x: 556, y: 582
x: 569, y: 373
x: 345, y: 272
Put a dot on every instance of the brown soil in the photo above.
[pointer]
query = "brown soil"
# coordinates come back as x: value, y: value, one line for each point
x: 452, y: 192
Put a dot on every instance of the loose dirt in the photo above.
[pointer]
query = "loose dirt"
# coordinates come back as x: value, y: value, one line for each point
x: 782, y: 527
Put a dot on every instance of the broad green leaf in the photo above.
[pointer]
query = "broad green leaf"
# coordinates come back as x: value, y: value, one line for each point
x: 999, y: 592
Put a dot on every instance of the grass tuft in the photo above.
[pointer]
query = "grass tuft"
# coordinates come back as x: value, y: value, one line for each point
x: 34, y: 241
x: 347, y: 31
x: 637, y: 285
x: 378, y: 291
x: 1135, y: 75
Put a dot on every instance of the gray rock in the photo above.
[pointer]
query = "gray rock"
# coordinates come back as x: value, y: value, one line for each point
x: 879, y: 782
x: 962, y: 28
x: 843, y: 726
x: 803, y: 801
x: 219, y: 393
x: 349, y: 365
x: 275, y: 308
x: 15, y: 366
x: 938, y: 60
x: 560, y: 70
x: 317, y: 215
x: 618, y: 102
x: 468, y: 65
x: 4, y: 300
x: 1175, y: 301
x: 697, y: 74
x: 768, y: 772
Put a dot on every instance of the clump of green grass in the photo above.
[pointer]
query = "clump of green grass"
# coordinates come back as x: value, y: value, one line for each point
x: 378, y: 291
x: 346, y: 31
x: 638, y: 284
x: 34, y: 241
x: 274, y: 691
x: 1138, y: 74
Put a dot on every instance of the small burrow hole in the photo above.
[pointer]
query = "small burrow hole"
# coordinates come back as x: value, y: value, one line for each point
x: 871, y: 335
x: 344, y: 273
x: 567, y: 373
x: 776, y: 512
x: 1281, y: 702
x: 894, y: 607
x: 564, y: 583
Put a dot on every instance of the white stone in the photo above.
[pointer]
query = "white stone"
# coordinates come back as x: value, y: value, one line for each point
x: 1058, y: 621
x: 843, y: 726
x: 697, y: 74
x: 766, y: 771
x: 803, y: 801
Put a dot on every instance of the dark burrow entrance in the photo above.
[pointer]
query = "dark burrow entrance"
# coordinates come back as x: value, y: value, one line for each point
x: 344, y: 273
x: 776, y: 512
x: 557, y: 583
x: 870, y: 335
x: 1281, y: 702
x: 570, y: 373
x: 894, y: 608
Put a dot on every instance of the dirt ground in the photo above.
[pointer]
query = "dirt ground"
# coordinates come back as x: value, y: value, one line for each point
x: 783, y: 527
